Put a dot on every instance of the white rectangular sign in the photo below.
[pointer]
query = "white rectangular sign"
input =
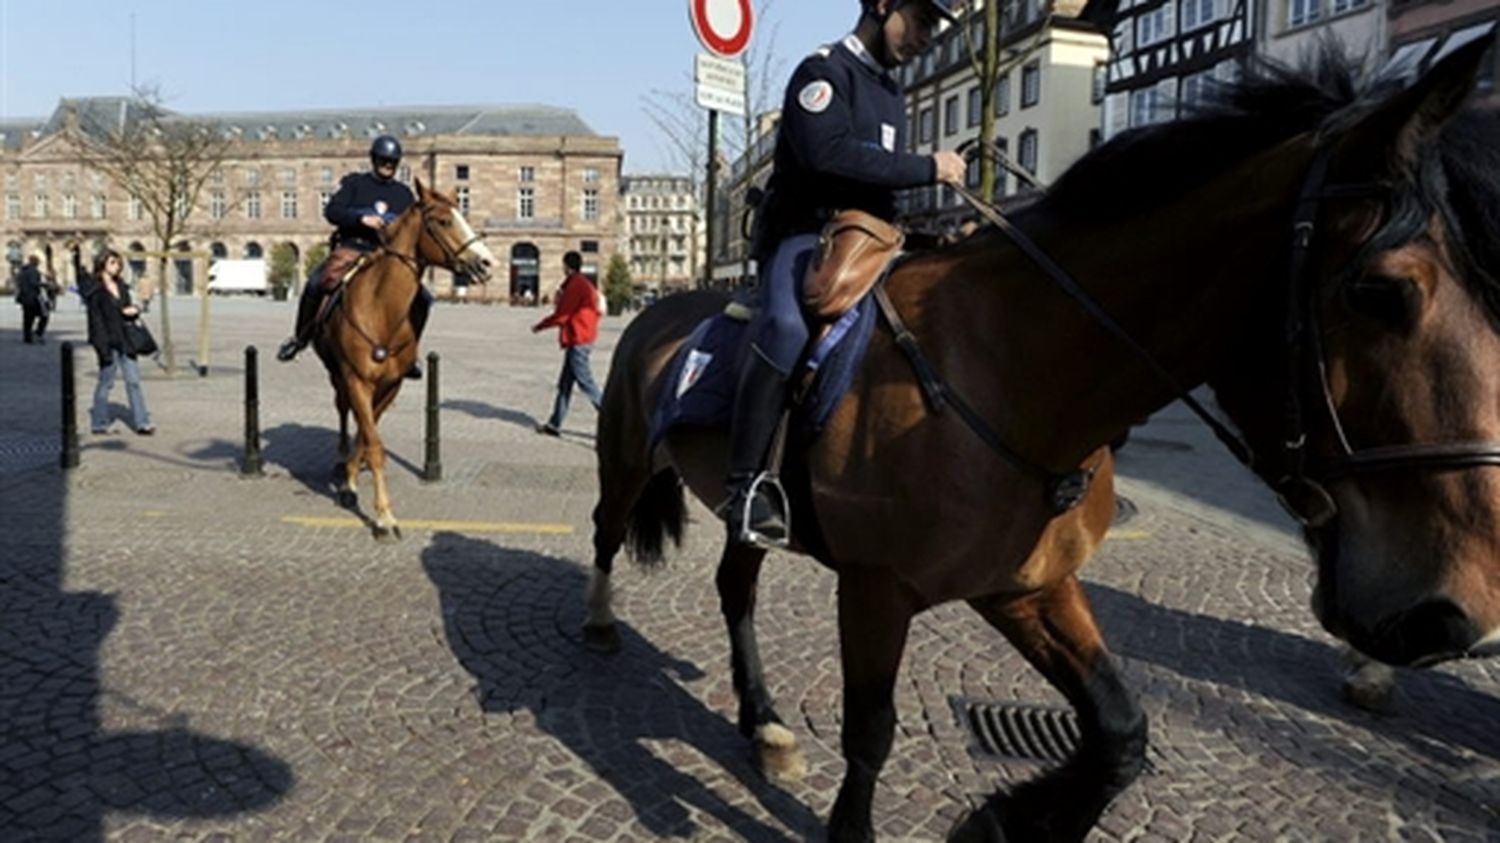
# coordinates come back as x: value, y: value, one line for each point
x: 719, y: 100
x: 710, y: 71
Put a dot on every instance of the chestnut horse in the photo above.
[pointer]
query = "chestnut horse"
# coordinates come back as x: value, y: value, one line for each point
x: 1325, y: 257
x: 367, y: 343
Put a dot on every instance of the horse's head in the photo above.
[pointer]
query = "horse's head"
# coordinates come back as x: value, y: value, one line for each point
x: 447, y: 240
x: 1384, y: 439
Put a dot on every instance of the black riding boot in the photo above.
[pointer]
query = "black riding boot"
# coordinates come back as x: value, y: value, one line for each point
x: 759, y: 399
x: 307, y: 311
x: 421, y: 307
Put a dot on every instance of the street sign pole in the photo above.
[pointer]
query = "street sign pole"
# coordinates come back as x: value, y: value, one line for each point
x: 713, y: 178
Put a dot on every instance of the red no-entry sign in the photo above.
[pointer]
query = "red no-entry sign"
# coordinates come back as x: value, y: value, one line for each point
x: 724, y: 26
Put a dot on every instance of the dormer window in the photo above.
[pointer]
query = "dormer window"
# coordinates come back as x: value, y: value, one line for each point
x: 416, y: 127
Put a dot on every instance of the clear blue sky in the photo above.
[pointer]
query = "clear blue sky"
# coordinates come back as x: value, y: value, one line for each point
x: 599, y: 57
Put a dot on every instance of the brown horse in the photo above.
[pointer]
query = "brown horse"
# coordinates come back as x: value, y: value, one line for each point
x: 367, y: 342
x: 1324, y: 257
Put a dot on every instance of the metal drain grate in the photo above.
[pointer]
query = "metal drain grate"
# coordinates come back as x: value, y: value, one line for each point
x: 1020, y: 732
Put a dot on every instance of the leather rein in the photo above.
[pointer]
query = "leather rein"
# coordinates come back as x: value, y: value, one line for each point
x: 1302, y: 489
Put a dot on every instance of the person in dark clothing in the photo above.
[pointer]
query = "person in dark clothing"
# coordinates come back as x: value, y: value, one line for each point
x: 363, y: 206
x: 31, y: 294
x: 576, y: 316
x: 110, y: 307
x: 841, y: 146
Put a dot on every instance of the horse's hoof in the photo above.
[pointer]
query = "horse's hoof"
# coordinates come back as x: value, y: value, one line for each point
x: 778, y: 755
x: 387, y: 535
x: 348, y: 499
x: 601, y: 639
x: 1372, y: 696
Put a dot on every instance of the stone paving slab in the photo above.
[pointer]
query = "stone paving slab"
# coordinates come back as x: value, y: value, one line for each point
x: 178, y: 660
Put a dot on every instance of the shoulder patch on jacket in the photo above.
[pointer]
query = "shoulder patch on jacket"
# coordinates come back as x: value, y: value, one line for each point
x: 816, y: 96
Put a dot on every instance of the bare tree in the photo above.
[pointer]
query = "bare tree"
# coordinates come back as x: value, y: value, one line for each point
x: 163, y: 161
x: 985, y: 35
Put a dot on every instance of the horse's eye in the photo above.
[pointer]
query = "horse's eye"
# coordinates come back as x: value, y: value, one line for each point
x: 445, y: 222
x: 1396, y: 301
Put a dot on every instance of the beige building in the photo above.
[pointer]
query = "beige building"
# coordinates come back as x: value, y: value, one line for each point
x: 664, y: 231
x: 535, y: 181
x: 1047, y: 103
x: 750, y: 172
x: 1292, y: 31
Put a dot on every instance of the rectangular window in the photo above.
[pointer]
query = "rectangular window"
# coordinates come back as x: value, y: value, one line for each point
x: 1196, y: 13
x: 1029, y: 149
x: 136, y: 211
x: 216, y: 205
x: 976, y: 106
x: 591, y: 204
x: 324, y: 197
x: 927, y: 126
x: 971, y: 175
x: 1002, y: 175
x: 252, y: 177
x: 70, y: 206
x: 216, y: 176
x: 461, y: 195
x: 950, y: 115
x: 1002, y: 96
x: 591, y: 175
x: 1100, y: 82
x: 13, y: 206
x: 1157, y: 25
x: 526, y: 202
x: 1031, y: 85
x: 101, y: 207
x: 588, y: 247
x: 39, y: 181
x: 252, y: 205
x: 39, y: 206
x: 1341, y: 6
x: 288, y: 176
x: 1300, y: 12
x: 289, y: 204
x: 403, y: 174
x: 528, y: 174
x: 461, y: 172
x: 1197, y: 88
x: 327, y: 175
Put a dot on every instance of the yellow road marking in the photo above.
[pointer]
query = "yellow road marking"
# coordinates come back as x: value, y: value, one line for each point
x: 452, y: 526
x: 1128, y: 535
x: 154, y: 513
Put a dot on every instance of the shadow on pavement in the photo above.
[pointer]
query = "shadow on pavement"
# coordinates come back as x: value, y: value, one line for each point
x: 481, y: 410
x: 61, y: 771
x: 513, y: 620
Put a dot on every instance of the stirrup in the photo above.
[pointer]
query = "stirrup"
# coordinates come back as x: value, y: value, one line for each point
x: 777, y: 498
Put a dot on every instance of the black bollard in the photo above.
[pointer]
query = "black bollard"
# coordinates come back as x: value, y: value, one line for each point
x: 433, y: 472
x: 69, y: 458
x: 252, y: 466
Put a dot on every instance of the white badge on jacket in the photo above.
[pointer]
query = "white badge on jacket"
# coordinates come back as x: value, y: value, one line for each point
x: 888, y: 137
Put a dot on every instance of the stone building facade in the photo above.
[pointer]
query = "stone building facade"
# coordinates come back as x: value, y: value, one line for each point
x: 535, y: 181
x: 664, y: 231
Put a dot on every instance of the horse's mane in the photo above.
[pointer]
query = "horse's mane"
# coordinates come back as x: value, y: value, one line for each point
x: 1458, y: 177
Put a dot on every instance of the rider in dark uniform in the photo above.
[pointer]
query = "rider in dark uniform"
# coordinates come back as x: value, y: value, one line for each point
x: 364, y: 204
x: 841, y: 146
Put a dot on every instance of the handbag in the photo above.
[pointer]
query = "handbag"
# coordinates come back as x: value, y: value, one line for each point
x: 138, y: 339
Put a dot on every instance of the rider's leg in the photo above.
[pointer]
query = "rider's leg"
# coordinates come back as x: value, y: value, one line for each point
x: 307, y: 311
x: 779, y: 335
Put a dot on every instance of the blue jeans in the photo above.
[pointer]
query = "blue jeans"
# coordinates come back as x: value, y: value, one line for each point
x: 139, y: 416
x: 575, y: 370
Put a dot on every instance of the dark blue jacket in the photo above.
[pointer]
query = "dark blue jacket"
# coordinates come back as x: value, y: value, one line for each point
x: 841, y: 145
x: 360, y: 194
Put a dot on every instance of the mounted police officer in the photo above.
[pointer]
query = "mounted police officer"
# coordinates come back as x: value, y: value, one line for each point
x: 363, y: 206
x: 841, y: 146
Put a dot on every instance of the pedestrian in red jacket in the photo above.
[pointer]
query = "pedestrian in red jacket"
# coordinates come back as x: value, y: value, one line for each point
x: 576, y: 317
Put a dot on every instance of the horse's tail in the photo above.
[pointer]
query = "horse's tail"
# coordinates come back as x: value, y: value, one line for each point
x: 658, y: 514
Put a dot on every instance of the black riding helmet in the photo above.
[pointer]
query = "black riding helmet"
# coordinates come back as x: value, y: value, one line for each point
x: 385, y: 148
x: 943, y: 7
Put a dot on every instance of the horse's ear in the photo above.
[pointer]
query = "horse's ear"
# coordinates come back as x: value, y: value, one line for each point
x: 1398, y: 129
x: 421, y: 189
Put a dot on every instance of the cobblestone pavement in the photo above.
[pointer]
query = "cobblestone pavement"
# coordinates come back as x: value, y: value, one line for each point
x: 185, y: 654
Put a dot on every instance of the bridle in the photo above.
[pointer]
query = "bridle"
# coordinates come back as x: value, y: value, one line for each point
x: 1302, y: 486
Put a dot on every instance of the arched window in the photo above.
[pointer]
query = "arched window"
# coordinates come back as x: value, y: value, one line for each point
x: 253, y: 250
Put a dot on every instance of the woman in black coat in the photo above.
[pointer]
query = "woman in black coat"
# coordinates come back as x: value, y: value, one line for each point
x: 110, y: 309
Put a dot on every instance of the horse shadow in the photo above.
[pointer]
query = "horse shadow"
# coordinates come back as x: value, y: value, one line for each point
x: 513, y: 620
x: 61, y: 770
x: 308, y: 454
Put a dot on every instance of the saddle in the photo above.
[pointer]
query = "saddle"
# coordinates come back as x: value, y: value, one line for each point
x: 853, y: 251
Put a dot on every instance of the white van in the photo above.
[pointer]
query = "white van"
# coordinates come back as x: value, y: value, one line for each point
x: 246, y: 275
